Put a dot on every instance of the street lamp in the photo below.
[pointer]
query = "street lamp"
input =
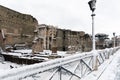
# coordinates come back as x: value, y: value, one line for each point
x: 92, y: 5
x: 114, y: 38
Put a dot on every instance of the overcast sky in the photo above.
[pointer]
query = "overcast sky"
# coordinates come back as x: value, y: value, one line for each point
x: 71, y: 14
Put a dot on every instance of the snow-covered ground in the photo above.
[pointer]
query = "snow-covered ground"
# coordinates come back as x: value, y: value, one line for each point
x: 109, y: 70
x: 5, y: 65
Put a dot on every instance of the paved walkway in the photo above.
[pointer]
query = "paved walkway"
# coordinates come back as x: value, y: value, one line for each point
x: 109, y: 70
x: 117, y: 77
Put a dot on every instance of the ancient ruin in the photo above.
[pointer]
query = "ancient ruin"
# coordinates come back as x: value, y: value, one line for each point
x: 16, y: 27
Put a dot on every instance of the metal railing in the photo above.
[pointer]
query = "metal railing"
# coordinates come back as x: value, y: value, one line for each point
x: 73, y: 67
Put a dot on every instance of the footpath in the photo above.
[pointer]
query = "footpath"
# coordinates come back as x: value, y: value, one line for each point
x: 109, y: 70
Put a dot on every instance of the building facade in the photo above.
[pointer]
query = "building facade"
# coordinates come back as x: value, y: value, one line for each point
x: 48, y: 37
x: 102, y: 41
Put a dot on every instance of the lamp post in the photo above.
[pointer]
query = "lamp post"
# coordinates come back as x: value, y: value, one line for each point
x: 114, y: 39
x: 92, y: 5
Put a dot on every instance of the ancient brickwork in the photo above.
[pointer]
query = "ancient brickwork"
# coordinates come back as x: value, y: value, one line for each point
x: 18, y: 27
x: 57, y: 39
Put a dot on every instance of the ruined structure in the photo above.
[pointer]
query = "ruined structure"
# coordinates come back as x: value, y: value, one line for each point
x: 16, y: 27
x: 102, y: 41
x: 49, y: 37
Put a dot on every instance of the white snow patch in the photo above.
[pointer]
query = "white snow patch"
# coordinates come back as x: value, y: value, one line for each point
x: 47, y: 52
x: 61, y: 53
x: 4, y: 66
x: 26, y: 51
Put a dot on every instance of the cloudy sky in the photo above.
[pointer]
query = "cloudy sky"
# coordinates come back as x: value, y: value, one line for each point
x: 71, y: 14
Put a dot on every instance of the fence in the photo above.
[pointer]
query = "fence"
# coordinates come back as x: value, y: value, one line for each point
x: 73, y: 67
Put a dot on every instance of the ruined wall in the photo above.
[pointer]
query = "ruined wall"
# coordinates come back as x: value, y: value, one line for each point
x: 57, y: 39
x: 1, y: 39
x: 18, y: 27
x: 60, y: 40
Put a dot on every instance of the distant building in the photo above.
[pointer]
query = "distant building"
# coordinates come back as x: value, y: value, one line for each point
x: 117, y: 41
x: 102, y: 41
x: 48, y: 37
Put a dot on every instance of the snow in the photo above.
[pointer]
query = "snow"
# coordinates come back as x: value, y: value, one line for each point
x: 106, y: 71
x: 18, y: 52
x: 35, y: 57
x: 11, y: 53
x: 47, y: 52
x: 26, y: 54
x: 40, y: 67
x: 5, y: 65
x: 27, y: 51
x: 62, y: 53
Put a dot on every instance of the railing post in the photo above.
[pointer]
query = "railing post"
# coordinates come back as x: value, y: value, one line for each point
x: 95, y: 60
x: 113, y: 51
x: 60, y: 73
x: 107, y: 52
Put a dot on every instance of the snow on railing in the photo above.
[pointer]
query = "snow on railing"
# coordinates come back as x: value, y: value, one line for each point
x: 77, y: 65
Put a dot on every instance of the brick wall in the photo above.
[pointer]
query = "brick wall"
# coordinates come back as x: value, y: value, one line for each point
x: 18, y: 27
